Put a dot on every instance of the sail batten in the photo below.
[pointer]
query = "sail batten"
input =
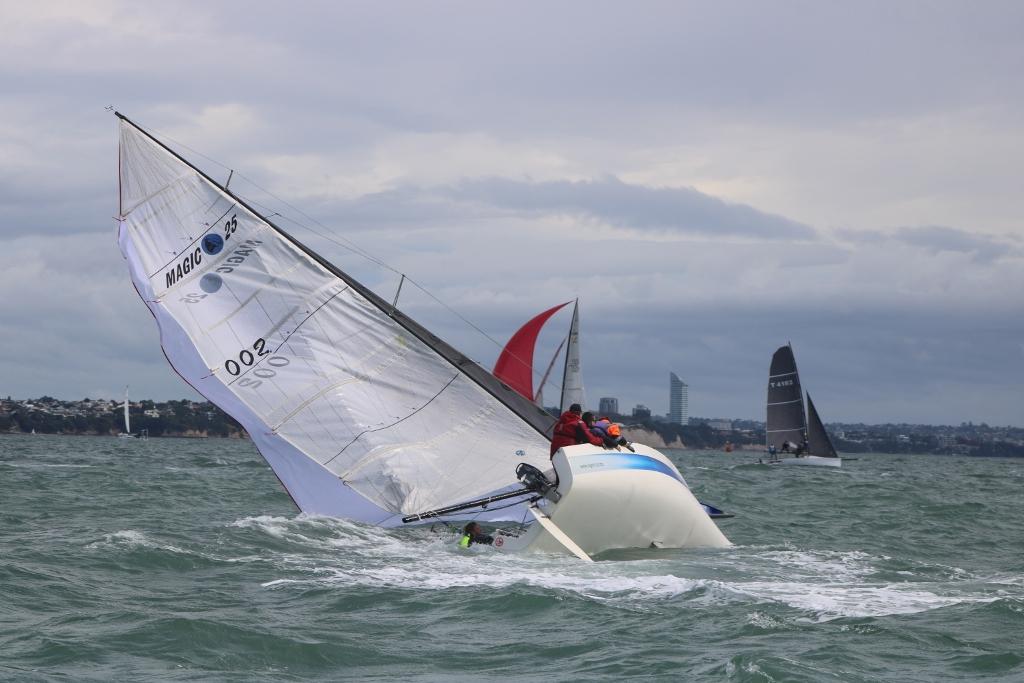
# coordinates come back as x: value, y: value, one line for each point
x: 360, y: 411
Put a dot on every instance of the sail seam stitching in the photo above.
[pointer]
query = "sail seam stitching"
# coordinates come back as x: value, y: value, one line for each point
x: 368, y: 431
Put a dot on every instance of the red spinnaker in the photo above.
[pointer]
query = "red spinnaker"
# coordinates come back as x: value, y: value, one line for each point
x: 515, y: 364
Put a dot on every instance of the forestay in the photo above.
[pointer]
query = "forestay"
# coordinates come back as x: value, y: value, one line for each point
x: 361, y: 412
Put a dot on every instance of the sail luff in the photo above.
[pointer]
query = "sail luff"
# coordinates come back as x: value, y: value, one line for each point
x: 818, y: 441
x: 524, y: 408
x: 127, y: 424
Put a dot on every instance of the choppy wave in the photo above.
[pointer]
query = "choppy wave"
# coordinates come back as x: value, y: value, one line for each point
x: 190, y: 563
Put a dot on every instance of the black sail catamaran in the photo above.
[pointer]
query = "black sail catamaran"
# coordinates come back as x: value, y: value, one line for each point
x: 794, y: 436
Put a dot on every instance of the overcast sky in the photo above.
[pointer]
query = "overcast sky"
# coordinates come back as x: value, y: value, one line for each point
x: 712, y: 180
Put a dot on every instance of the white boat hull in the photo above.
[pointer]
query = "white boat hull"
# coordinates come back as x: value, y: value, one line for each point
x: 812, y: 460
x: 617, y: 499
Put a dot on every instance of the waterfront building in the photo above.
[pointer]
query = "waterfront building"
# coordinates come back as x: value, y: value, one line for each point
x: 608, y: 406
x: 678, y: 400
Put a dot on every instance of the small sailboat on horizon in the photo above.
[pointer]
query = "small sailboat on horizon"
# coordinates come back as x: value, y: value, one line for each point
x: 794, y: 436
x: 127, y: 433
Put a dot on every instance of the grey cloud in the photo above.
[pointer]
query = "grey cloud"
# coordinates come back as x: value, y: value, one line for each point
x: 674, y: 210
x: 939, y: 238
x: 682, y: 210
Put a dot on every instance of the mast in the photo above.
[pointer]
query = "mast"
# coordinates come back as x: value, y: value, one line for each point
x: 537, y: 418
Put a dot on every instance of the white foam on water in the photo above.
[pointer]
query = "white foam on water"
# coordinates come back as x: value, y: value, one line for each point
x: 131, y: 539
x: 1007, y: 580
x: 764, y: 621
x: 127, y: 538
x: 624, y: 583
x: 817, y: 565
x: 824, y: 585
x: 834, y: 601
x: 747, y: 668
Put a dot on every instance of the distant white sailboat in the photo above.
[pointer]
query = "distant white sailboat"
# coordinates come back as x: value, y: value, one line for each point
x: 515, y: 364
x: 127, y: 433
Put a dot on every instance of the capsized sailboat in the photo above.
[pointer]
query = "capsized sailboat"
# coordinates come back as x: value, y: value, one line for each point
x: 793, y: 436
x: 361, y: 412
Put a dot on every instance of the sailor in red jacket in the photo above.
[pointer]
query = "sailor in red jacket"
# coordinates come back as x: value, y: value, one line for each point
x: 571, y: 430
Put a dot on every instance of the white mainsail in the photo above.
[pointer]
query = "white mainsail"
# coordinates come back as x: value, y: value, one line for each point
x: 361, y: 412
x: 127, y: 422
x: 572, y: 381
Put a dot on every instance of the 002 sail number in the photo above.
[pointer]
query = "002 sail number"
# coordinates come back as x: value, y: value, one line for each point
x: 248, y: 358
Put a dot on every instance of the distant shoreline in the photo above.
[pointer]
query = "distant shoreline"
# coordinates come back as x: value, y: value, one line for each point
x: 184, y: 419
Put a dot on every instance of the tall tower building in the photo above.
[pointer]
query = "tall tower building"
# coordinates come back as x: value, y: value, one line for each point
x: 678, y: 400
x: 609, y: 406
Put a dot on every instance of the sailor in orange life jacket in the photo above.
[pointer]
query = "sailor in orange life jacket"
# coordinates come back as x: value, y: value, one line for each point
x: 571, y: 429
x: 611, y: 433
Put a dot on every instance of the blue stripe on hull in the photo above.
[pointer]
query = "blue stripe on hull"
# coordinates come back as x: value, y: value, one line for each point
x: 622, y: 461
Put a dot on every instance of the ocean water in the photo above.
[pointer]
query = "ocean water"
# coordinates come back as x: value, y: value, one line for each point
x: 173, y: 559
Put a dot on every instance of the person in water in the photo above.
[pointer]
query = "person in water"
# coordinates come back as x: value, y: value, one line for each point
x: 571, y: 430
x: 472, y: 533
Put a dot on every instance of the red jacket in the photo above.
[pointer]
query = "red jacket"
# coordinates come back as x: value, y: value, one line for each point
x: 571, y: 430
